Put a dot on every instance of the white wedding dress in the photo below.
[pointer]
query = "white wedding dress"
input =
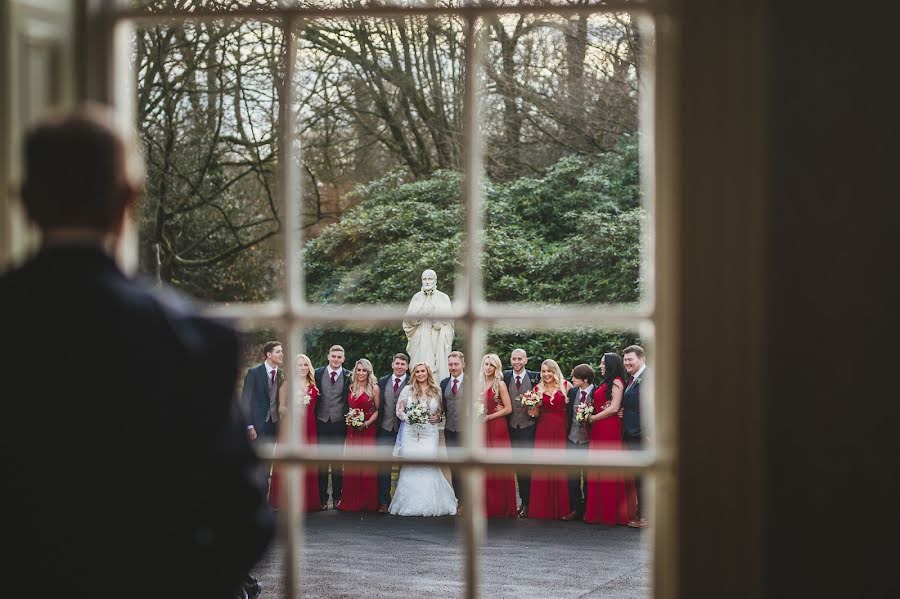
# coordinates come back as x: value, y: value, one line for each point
x: 421, y: 490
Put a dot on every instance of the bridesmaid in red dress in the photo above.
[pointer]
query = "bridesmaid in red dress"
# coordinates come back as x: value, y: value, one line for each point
x: 550, y: 491
x: 307, y: 395
x: 499, y: 487
x: 360, y: 493
x: 607, y: 501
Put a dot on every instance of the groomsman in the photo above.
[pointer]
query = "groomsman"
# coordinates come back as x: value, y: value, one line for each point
x: 582, y: 391
x: 518, y: 380
x: 451, y: 405
x: 259, y: 396
x: 333, y: 382
x: 391, y: 386
x: 632, y: 432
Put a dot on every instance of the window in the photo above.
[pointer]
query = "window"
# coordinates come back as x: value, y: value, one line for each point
x: 290, y: 307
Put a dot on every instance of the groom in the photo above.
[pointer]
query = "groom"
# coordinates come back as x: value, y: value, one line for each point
x: 391, y: 386
x: 451, y: 405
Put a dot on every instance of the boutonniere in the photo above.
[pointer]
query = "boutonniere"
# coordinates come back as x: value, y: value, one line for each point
x: 637, y: 381
x: 279, y: 376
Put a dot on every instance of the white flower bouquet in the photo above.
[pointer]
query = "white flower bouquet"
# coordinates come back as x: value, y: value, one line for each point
x: 305, y: 399
x: 417, y: 413
x: 584, y: 411
x: 480, y: 409
x: 355, y: 418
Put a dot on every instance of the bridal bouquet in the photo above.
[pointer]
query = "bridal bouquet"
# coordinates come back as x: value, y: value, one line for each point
x: 531, y: 399
x: 355, y: 418
x: 417, y: 413
x: 584, y: 411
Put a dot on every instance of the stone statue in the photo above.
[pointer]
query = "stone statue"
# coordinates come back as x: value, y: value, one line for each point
x: 430, y: 341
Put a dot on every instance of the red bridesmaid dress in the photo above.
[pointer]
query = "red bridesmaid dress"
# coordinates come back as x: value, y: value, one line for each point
x: 310, y: 500
x: 360, y: 492
x: 608, y: 500
x: 499, y: 487
x: 549, y: 490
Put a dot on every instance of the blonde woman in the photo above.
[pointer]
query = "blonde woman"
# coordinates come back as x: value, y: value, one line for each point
x: 499, y: 487
x: 549, y: 491
x: 360, y: 492
x: 421, y: 490
x: 307, y: 396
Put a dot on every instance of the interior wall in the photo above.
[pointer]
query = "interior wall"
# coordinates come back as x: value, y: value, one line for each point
x: 833, y: 405
x: 37, y: 76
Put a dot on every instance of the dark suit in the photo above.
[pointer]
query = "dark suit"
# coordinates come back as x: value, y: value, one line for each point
x: 522, y: 438
x: 255, y: 401
x: 576, y: 493
x: 451, y: 438
x: 126, y: 465
x: 333, y: 433
x: 632, y: 433
x: 386, y: 438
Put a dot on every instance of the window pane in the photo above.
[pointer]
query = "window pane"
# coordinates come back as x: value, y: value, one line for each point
x: 563, y: 201
x: 207, y: 110
x: 379, y: 106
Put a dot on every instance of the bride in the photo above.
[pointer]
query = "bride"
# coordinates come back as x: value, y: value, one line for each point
x: 421, y: 490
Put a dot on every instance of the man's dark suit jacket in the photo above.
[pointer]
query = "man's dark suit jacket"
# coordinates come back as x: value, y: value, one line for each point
x: 631, y: 409
x: 345, y: 394
x: 255, y: 398
x: 125, y: 464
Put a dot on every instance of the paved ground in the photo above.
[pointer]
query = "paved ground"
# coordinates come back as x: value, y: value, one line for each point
x: 382, y: 556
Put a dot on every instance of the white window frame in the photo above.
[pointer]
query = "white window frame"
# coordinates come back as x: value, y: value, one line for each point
x: 655, y: 316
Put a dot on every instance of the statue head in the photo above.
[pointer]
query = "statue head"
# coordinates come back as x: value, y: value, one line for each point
x: 429, y: 280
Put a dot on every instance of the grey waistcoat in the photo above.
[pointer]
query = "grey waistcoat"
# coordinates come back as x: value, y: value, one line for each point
x: 332, y: 403
x: 272, y: 416
x: 452, y: 414
x: 577, y: 432
x: 389, y: 420
x: 519, y: 417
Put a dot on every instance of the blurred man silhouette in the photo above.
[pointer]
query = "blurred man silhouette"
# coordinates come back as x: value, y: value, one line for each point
x: 126, y: 468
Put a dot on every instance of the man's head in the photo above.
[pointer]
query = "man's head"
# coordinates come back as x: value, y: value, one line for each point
x: 518, y: 358
x: 274, y: 353
x: 633, y: 358
x: 336, y: 356
x: 456, y: 361
x: 400, y: 364
x: 429, y: 280
x: 82, y: 173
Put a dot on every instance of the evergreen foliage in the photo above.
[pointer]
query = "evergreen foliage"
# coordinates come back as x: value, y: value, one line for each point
x: 571, y: 236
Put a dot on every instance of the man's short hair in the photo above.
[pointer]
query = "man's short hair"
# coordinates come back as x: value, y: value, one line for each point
x: 339, y: 348
x: 584, y: 372
x: 80, y: 169
x: 270, y: 346
x: 457, y: 354
x: 634, y: 349
x: 401, y: 356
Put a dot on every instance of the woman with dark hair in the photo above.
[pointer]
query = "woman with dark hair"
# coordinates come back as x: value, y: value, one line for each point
x: 607, y: 501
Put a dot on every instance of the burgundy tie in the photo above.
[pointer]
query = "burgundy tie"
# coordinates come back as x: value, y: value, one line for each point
x: 583, y: 396
x: 630, y: 380
x: 333, y: 376
x: 272, y: 382
x: 518, y: 381
x: 454, y: 388
x: 396, y: 385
